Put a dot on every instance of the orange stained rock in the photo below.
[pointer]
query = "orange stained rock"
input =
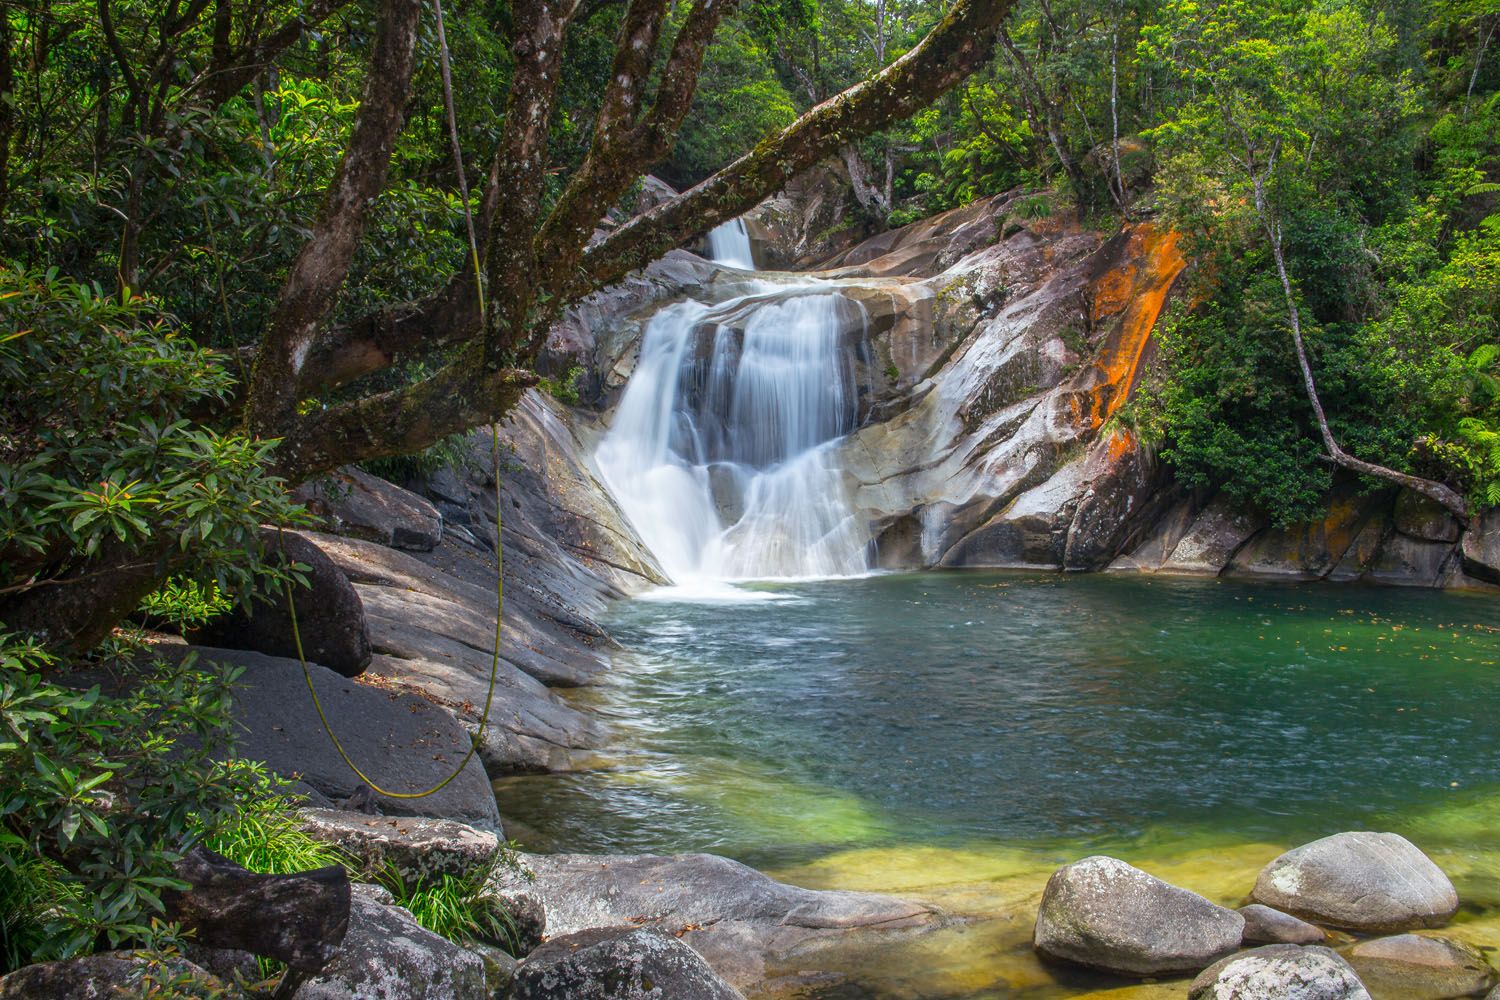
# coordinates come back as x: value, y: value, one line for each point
x: 1121, y: 443
x: 1137, y: 292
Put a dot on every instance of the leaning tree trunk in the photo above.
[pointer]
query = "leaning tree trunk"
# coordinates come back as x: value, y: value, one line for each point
x: 1437, y: 492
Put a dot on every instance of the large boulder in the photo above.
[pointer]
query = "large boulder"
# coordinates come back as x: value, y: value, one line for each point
x: 1359, y: 881
x: 402, y: 741
x: 105, y: 976
x: 1413, y: 967
x: 1106, y: 914
x: 387, y: 955
x: 330, y: 615
x: 355, y: 503
x: 746, y: 925
x: 618, y: 963
x: 419, y: 848
x: 1480, y: 547
x: 1279, y: 972
x: 1264, y: 925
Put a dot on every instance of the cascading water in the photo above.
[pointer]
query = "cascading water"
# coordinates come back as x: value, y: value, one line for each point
x: 723, y: 449
x: 729, y: 244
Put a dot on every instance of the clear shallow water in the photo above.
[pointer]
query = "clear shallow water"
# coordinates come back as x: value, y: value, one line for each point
x: 956, y: 735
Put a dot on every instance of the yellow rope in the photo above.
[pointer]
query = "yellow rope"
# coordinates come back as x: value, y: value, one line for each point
x: 489, y: 696
x: 494, y: 659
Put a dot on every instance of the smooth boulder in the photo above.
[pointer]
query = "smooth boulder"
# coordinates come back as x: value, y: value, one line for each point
x: 389, y: 956
x: 1103, y: 913
x: 1413, y: 967
x: 1361, y: 881
x: 1279, y: 972
x: 618, y: 963
x: 330, y: 615
x: 1264, y: 925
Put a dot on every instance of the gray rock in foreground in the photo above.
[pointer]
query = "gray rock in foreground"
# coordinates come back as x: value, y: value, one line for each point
x: 1103, y: 913
x: 1279, y: 972
x: 1359, y: 881
x: 1413, y: 967
x: 105, y: 976
x: 618, y: 963
x: 1264, y: 925
x: 387, y: 955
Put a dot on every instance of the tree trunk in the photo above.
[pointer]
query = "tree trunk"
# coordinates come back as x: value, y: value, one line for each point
x: 1434, y: 491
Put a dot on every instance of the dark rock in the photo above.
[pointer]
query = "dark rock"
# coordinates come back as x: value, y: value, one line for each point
x: 364, y: 506
x: 402, y: 741
x: 419, y: 848
x: 105, y: 976
x: 297, y: 919
x: 389, y: 956
x: 1480, y: 547
x: 499, y: 969
x: 1413, y: 967
x: 1359, y: 881
x: 330, y: 615
x: 618, y: 963
x: 1279, y: 972
x: 1428, y: 520
x: 1404, y: 561
x: 1106, y: 914
x: 1264, y: 925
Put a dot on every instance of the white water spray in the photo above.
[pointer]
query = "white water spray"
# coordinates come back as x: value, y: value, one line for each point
x: 723, y: 449
x: 729, y: 244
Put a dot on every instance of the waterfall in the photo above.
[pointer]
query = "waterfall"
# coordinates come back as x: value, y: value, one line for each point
x: 729, y: 244
x: 722, y: 451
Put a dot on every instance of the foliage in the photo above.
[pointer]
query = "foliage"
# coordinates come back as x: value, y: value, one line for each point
x: 564, y: 388
x: 97, y: 449
x: 456, y: 907
x: 102, y: 792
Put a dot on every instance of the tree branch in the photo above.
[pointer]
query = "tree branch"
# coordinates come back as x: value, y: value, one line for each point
x: 952, y: 50
x: 318, y: 273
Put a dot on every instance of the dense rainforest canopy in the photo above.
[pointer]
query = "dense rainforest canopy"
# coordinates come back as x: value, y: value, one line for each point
x: 244, y: 242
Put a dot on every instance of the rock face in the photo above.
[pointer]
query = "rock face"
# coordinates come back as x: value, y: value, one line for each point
x: 105, y: 976
x: 404, y: 742
x: 618, y: 963
x: 1279, y: 972
x: 330, y: 616
x: 389, y: 956
x: 745, y: 924
x: 1413, y: 967
x: 1264, y: 925
x: 1363, y: 881
x: 1105, y: 914
x: 353, y: 502
x: 420, y: 848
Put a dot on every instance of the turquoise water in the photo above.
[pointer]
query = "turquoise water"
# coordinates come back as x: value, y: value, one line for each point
x: 1057, y: 713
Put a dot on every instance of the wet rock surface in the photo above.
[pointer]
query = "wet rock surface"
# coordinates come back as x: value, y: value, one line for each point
x: 1416, y: 967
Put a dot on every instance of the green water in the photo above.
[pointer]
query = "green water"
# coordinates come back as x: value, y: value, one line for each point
x: 940, y: 734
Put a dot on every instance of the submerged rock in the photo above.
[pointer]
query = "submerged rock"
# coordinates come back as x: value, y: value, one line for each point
x: 388, y: 955
x: 618, y: 963
x: 741, y: 921
x: 1106, y: 914
x: 1279, y: 972
x: 1359, y: 881
x: 1264, y: 925
x: 1413, y: 967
